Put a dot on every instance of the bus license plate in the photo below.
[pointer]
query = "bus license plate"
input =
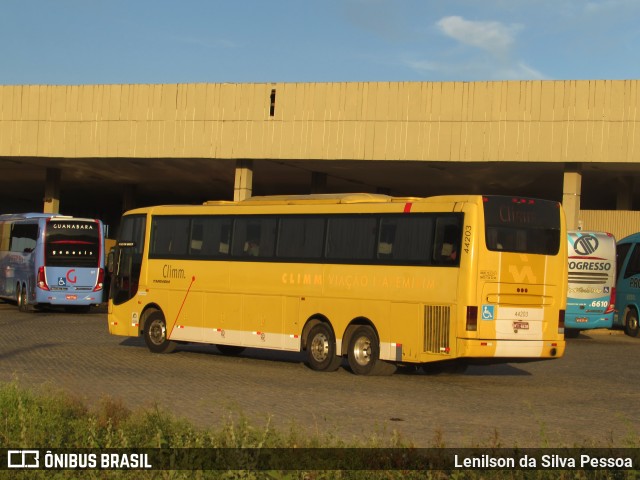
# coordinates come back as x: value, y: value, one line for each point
x: 72, y: 297
x: 581, y: 320
x: 521, y: 325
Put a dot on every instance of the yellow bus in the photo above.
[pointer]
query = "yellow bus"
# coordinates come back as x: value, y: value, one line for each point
x: 380, y: 280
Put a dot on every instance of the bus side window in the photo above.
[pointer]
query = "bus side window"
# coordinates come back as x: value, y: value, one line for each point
x: 170, y: 236
x: 447, y: 243
x: 633, y: 266
x: 24, y: 237
x: 254, y: 237
x: 300, y: 237
x: 351, y: 238
x: 406, y: 239
x: 210, y: 236
x: 197, y: 236
x: 621, y: 255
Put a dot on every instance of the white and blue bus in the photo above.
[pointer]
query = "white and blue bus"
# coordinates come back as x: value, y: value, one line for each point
x: 50, y: 259
x: 592, y: 278
x: 628, y: 285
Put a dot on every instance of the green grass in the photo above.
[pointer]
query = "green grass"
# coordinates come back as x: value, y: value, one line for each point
x: 50, y: 419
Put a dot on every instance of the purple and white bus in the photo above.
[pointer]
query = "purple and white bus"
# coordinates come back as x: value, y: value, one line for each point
x: 50, y: 259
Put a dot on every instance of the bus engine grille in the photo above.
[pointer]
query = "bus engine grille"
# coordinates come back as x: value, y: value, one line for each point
x: 436, y: 328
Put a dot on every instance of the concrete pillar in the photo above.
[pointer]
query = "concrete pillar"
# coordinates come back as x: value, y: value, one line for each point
x: 571, y: 191
x: 624, y: 195
x: 318, y: 182
x: 244, y: 180
x: 52, y: 191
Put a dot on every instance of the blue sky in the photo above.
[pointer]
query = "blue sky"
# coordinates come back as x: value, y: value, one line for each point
x: 162, y: 41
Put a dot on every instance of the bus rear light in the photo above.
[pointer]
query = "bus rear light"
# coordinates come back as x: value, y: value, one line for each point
x: 42, y: 280
x: 612, y: 302
x: 472, y: 318
x: 100, y: 282
x: 561, y: 321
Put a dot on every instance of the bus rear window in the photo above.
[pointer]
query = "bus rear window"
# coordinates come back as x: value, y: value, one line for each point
x: 522, y: 225
x: 71, y: 243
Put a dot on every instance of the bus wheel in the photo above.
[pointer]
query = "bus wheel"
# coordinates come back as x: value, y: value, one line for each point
x: 155, y: 334
x: 364, y: 351
x: 631, y: 323
x: 231, y: 350
x: 571, y: 333
x: 445, y: 367
x: 321, y: 349
x: 23, y: 299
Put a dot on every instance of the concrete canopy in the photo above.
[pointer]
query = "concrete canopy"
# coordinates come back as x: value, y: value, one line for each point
x: 180, y: 143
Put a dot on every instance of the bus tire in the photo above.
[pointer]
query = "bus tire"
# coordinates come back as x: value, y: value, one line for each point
x: 77, y: 309
x: 155, y: 334
x: 321, y: 349
x: 23, y: 299
x: 571, y: 332
x: 445, y: 367
x: 364, y: 351
x: 631, y: 323
x: 231, y: 350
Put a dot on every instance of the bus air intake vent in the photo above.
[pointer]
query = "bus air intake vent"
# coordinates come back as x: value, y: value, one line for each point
x: 436, y: 328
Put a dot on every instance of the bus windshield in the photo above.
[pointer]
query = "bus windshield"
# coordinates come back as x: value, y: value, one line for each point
x: 522, y: 225
x: 72, y: 243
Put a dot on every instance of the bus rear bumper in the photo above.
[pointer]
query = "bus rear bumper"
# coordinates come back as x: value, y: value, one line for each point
x: 524, y: 349
x: 588, y: 322
x: 69, y: 299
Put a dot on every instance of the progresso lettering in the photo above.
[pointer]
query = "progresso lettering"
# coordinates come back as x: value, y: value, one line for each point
x: 600, y: 266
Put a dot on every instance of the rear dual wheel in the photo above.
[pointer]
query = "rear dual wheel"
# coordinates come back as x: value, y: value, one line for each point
x: 364, y: 353
x: 23, y: 298
x: 321, y: 349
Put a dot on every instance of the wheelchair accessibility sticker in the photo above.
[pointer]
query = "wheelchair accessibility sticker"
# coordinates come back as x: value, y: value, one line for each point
x: 488, y: 312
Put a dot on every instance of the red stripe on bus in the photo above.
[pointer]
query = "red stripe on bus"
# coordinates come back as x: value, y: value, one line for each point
x: 407, y: 207
x: 193, y: 279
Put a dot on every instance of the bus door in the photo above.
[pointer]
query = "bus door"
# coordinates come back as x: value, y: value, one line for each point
x: 127, y: 262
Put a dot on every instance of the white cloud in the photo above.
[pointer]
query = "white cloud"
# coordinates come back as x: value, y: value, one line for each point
x: 597, y: 7
x: 493, y: 37
x: 475, y: 70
